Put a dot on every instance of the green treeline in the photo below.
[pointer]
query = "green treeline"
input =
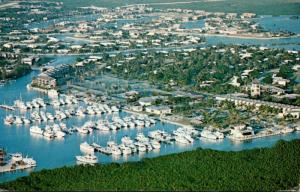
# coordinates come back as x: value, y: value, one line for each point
x: 264, y: 169
x: 14, y: 71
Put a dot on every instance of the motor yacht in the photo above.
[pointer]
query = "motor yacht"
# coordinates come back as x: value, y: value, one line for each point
x: 126, y: 140
x: 140, y: 146
x: 115, y: 150
x: 85, y: 147
x: 59, y: 134
x: 208, y: 135
x: 83, y: 130
x: 49, y: 134
x: 36, y: 130
x: 16, y: 157
x: 9, y: 120
x: 90, y: 159
x: 155, y: 144
x: 26, y: 121
x: 29, y: 162
x: 125, y: 150
x: 181, y: 139
x: 18, y: 121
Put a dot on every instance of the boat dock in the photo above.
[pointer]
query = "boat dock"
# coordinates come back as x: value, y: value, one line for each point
x: 259, y: 135
x: 101, y: 149
x: 7, y: 107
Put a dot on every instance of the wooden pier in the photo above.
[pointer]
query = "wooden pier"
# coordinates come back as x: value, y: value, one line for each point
x: 100, y: 149
x: 7, y: 107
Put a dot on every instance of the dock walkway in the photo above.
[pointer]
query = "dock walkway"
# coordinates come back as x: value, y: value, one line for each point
x: 7, y: 107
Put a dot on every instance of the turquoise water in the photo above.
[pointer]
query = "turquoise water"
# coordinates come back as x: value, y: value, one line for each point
x: 279, y: 23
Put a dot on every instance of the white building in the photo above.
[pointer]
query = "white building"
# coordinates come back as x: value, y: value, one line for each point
x: 159, y: 110
x: 255, y: 88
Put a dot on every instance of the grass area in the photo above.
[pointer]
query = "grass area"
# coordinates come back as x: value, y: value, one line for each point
x: 264, y: 169
x: 262, y: 7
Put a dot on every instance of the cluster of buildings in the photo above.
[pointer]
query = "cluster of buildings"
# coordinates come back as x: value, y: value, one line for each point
x: 48, y: 79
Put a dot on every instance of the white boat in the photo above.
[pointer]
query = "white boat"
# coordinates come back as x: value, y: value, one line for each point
x: 155, y: 134
x: 141, y: 137
x: 103, y: 127
x: 141, y: 146
x: 63, y: 126
x: 139, y: 123
x: 149, y: 146
x: 83, y: 130
x: 50, y: 116
x: 152, y: 121
x: 59, y: 134
x: 89, y: 124
x: 18, y: 121
x: 29, y: 162
x: 189, y: 138
x: 126, y: 140
x: 241, y: 132
x: 125, y: 150
x: 181, y: 139
x: 85, y: 147
x: 115, y: 150
x: 9, y: 120
x: 219, y: 135
x: 90, y: 159
x: 131, y: 124
x: 55, y: 103
x: 23, y: 106
x: 62, y: 101
x: 113, y: 127
x: 26, y: 121
x: 115, y: 109
x: 16, y: 157
x: 208, y: 135
x: 29, y: 105
x: 155, y: 144
x: 49, y: 134
x: 80, y: 113
x: 36, y: 130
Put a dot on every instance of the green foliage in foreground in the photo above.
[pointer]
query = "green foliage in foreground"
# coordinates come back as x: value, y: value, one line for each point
x: 265, y: 169
x: 262, y: 7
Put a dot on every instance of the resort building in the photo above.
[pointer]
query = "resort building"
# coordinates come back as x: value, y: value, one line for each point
x: 292, y: 110
x: 159, y: 110
x: 44, y: 81
x: 255, y: 88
